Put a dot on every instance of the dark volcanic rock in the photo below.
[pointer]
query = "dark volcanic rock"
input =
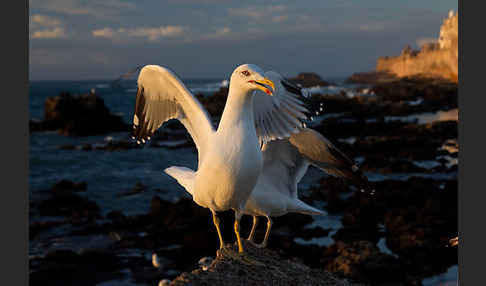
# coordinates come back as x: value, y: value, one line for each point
x: 275, y: 271
x: 308, y: 79
x: 81, y: 115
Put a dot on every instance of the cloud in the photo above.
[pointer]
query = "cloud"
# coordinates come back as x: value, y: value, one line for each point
x: 219, y: 33
x: 96, y: 8
x: 55, y: 33
x: 279, y: 19
x: 257, y: 12
x: 45, y: 21
x: 373, y: 27
x: 152, y: 34
x: 103, y: 33
x: 422, y: 41
x: 46, y: 27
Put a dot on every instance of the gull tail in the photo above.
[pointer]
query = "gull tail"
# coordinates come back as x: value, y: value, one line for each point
x: 299, y: 206
x: 184, y: 176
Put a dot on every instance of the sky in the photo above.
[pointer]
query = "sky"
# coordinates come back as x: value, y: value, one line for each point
x: 102, y: 39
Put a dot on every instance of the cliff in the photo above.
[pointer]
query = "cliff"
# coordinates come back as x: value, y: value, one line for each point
x: 438, y: 59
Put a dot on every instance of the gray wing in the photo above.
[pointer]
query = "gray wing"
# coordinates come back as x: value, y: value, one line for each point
x: 162, y: 96
x: 321, y: 153
x: 286, y: 161
x: 284, y: 113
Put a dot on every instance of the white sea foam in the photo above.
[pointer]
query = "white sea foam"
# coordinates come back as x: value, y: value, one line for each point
x: 416, y: 102
x: 426, y: 164
x: 349, y: 140
x: 383, y: 248
x: 447, y: 278
x: 428, y: 117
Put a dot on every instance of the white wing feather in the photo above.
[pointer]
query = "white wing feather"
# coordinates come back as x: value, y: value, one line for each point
x: 162, y: 96
x: 280, y: 115
x: 283, y: 165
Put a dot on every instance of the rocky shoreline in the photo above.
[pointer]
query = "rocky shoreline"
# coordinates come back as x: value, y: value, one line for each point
x: 412, y: 166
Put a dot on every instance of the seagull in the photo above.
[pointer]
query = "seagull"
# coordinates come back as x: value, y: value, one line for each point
x: 285, y: 162
x: 229, y: 158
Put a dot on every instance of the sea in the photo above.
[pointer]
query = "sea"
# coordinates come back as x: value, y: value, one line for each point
x: 109, y: 174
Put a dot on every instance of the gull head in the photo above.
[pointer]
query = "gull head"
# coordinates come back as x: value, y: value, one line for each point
x: 250, y: 78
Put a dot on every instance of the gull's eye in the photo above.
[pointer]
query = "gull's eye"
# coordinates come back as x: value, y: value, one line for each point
x: 245, y: 73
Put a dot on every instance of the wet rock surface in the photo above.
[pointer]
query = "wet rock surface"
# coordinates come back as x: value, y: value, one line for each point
x: 80, y: 115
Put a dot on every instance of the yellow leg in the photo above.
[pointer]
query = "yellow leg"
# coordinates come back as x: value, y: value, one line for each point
x: 237, y: 231
x: 216, y: 223
x: 253, y: 228
x: 265, y: 240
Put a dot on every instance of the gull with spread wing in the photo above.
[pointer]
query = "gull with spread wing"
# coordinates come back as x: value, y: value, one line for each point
x: 229, y: 157
x: 285, y: 162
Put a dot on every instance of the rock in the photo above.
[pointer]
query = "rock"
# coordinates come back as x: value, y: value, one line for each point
x: 65, y: 267
x: 420, y: 223
x: 419, y: 218
x: 363, y: 262
x: 37, y: 227
x: 371, y: 77
x: 308, y: 79
x: 215, y: 103
x: 69, y: 186
x: 275, y: 271
x: 36, y: 125
x: 67, y: 147
x: 434, y: 91
x: 164, y: 282
x: 137, y: 189
x: 81, y: 115
x: 117, y: 145
x: 63, y: 201
x: 117, y: 217
x: 205, y: 262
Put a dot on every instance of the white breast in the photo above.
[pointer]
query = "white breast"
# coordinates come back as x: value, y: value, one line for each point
x: 230, y: 171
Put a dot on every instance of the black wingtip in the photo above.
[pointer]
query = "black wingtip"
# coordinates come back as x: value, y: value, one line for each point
x: 314, y: 107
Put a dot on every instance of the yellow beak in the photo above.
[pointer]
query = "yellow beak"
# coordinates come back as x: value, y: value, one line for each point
x: 262, y: 84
